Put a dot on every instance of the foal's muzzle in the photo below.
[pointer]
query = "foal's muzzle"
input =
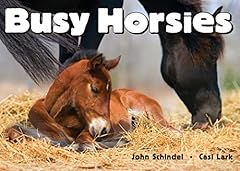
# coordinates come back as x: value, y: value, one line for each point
x: 99, y: 127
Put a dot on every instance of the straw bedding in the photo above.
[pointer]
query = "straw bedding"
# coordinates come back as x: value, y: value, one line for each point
x: 147, y: 139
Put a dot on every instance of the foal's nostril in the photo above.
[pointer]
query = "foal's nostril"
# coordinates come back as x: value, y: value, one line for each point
x: 104, y: 131
x: 93, y: 132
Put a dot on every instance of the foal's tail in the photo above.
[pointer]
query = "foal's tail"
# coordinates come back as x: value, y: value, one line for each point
x: 30, y: 52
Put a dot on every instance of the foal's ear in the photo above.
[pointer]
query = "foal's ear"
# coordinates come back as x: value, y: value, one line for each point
x: 217, y: 11
x: 110, y: 64
x: 96, y: 61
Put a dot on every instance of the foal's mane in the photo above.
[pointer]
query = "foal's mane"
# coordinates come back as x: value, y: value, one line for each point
x: 80, y: 55
x: 203, y: 47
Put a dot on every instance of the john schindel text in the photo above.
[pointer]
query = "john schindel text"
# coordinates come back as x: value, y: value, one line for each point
x: 156, y: 156
x: 163, y: 157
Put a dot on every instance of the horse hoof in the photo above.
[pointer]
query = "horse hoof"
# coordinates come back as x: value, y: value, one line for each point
x: 14, y: 133
x: 201, y: 126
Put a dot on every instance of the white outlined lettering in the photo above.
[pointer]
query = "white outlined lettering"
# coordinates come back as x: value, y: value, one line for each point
x: 16, y: 20
x: 203, y: 23
x: 19, y: 21
x: 174, y: 24
x: 79, y: 23
x: 105, y: 20
x: 155, y: 21
x: 41, y: 23
x: 136, y: 23
x: 224, y: 24
x: 60, y: 23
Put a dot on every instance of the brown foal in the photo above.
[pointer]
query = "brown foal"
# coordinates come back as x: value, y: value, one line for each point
x: 81, y: 107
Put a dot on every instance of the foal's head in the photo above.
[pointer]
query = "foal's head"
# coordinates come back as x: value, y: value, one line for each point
x: 92, y: 89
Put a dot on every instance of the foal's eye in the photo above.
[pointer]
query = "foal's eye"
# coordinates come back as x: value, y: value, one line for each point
x: 94, y: 89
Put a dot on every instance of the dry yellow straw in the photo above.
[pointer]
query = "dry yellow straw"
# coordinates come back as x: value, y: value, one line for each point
x: 147, y: 139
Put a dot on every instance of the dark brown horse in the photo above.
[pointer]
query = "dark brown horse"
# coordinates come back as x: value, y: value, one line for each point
x: 76, y: 108
x: 189, y: 63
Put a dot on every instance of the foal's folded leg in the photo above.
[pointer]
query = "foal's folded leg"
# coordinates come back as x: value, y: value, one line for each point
x: 17, y: 132
x: 84, y: 142
x: 46, y: 125
x: 140, y: 104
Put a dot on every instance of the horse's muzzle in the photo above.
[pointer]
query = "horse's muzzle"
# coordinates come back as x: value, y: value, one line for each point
x: 99, y: 127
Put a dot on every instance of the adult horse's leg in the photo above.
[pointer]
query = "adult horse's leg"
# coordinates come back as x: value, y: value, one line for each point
x: 189, y: 63
x: 64, y: 53
x: 91, y: 38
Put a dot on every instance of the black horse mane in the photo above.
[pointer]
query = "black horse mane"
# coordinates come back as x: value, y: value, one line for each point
x: 80, y: 55
x: 37, y: 60
x: 198, y: 43
x: 31, y: 50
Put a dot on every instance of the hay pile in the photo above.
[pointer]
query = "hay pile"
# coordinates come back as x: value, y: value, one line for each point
x: 147, y: 139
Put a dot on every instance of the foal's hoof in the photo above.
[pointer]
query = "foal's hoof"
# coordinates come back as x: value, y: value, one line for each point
x: 83, y: 147
x: 14, y: 133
